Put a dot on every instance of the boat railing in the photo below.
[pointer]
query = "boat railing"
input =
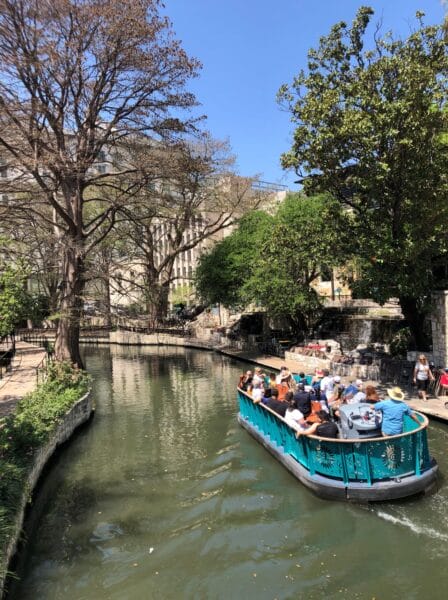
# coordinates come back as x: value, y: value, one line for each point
x: 366, y: 460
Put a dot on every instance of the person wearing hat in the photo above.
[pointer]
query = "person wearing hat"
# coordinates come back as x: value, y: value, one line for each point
x: 393, y: 409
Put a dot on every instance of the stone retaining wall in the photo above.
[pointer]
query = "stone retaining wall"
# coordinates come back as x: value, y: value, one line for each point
x: 439, y: 326
x: 79, y: 413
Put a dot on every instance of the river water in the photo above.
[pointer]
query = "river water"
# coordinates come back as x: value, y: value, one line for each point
x: 164, y: 496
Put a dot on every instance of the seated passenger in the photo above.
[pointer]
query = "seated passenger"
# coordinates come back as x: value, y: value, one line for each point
x: 293, y: 416
x: 351, y: 390
x: 326, y: 385
x: 371, y: 394
x: 275, y: 404
x: 266, y: 394
x: 393, y: 409
x: 257, y: 391
x: 284, y: 371
x: 272, y: 381
x: 360, y: 395
x: 324, y: 428
x: 258, y: 376
x: 245, y: 381
x: 303, y: 400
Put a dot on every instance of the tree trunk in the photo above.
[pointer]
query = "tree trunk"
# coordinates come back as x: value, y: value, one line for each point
x: 107, y: 300
x: 67, y: 335
x: 415, y: 318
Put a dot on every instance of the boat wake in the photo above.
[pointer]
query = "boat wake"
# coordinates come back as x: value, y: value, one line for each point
x: 415, y: 527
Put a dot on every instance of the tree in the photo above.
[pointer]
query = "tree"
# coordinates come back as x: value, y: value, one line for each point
x: 16, y: 304
x: 222, y: 272
x: 310, y: 234
x: 80, y: 79
x: 273, y: 261
x: 368, y: 130
x: 194, y: 195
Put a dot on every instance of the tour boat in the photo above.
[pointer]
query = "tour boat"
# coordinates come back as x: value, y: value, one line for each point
x: 361, y: 465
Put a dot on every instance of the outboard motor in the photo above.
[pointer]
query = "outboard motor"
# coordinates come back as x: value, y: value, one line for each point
x: 358, y: 421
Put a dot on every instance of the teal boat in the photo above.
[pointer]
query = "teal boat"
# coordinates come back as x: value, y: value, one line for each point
x: 361, y: 469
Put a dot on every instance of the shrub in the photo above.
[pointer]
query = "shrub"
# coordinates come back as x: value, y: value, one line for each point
x: 25, y: 431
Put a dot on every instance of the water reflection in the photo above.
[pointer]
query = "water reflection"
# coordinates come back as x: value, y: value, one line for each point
x: 165, y: 496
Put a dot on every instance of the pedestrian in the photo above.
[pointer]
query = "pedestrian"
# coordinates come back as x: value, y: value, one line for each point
x: 422, y: 376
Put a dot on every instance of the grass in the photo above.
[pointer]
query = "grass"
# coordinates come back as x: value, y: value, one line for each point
x: 23, y: 433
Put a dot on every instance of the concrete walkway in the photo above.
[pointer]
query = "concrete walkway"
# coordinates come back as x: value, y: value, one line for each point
x: 22, y: 378
x: 434, y: 407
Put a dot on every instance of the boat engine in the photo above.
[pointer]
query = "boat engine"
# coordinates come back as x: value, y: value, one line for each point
x: 358, y: 420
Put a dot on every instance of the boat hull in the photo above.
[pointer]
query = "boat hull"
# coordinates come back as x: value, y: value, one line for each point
x: 335, y: 489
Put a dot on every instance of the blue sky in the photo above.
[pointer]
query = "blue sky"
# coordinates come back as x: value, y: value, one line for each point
x: 250, y: 47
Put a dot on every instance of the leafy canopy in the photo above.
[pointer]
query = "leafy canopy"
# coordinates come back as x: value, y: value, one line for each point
x: 272, y: 261
x: 370, y: 118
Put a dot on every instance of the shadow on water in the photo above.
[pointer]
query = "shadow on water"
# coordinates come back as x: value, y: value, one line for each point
x: 165, y: 496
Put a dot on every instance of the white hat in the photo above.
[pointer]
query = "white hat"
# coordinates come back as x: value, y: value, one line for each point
x: 358, y: 382
x: 337, y: 378
x: 395, y: 393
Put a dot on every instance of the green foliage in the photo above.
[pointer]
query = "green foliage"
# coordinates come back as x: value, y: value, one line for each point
x: 25, y: 431
x: 272, y: 261
x: 370, y: 120
x: 16, y: 303
x: 222, y: 272
x: 400, y: 342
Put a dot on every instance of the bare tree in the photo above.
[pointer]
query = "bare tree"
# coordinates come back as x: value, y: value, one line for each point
x: 78, y: 78
x: 194, y: 195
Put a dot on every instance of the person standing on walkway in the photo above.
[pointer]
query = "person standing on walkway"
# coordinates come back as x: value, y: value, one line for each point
x: 422, y: 376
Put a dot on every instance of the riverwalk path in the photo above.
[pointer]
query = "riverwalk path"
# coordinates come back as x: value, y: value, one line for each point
x: 21, y: 379
x: 434, y: 407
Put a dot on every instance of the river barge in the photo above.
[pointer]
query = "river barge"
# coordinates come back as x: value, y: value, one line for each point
x: 360, y: 469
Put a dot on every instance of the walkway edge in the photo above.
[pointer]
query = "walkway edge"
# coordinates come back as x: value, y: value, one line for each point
x: 79, y: 414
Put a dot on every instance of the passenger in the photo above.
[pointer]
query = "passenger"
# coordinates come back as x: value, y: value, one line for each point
x: 393, y: 410
x: 283, y: 371
x: 315, y: 383
x: 303, y: 400
x: 258, y: 376
x: 351, y: 389
x: 302, y: 378
x: 285, y: 385
x: 422, y: 376
x: 326, y: 385
x: 272, y: 383
x: 275, y: 404
x: 293, y: 415
x: 360, y: 395
x: 257, y: 391
x: 266, y: 394
x: 371, y: 394
x: 338, y: 389
x: 245, y: 382
x: 324, y: 428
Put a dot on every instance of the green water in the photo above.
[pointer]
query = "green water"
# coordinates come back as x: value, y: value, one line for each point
x: 164, y: 496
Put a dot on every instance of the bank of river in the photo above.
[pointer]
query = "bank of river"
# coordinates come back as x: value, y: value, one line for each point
x: 165, y: 496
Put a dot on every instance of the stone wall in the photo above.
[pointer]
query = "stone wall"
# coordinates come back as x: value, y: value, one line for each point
x: 76, y: 416
x: 439, y: 327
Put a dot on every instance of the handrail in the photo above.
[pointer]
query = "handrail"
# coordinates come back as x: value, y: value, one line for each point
x: 350, y: 461
x: 421, y: 416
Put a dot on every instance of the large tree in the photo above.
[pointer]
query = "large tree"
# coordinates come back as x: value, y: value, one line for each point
x: 369, y: 118
x: 194, y: 196
x: 275, y: 260
x: 79, y: 78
